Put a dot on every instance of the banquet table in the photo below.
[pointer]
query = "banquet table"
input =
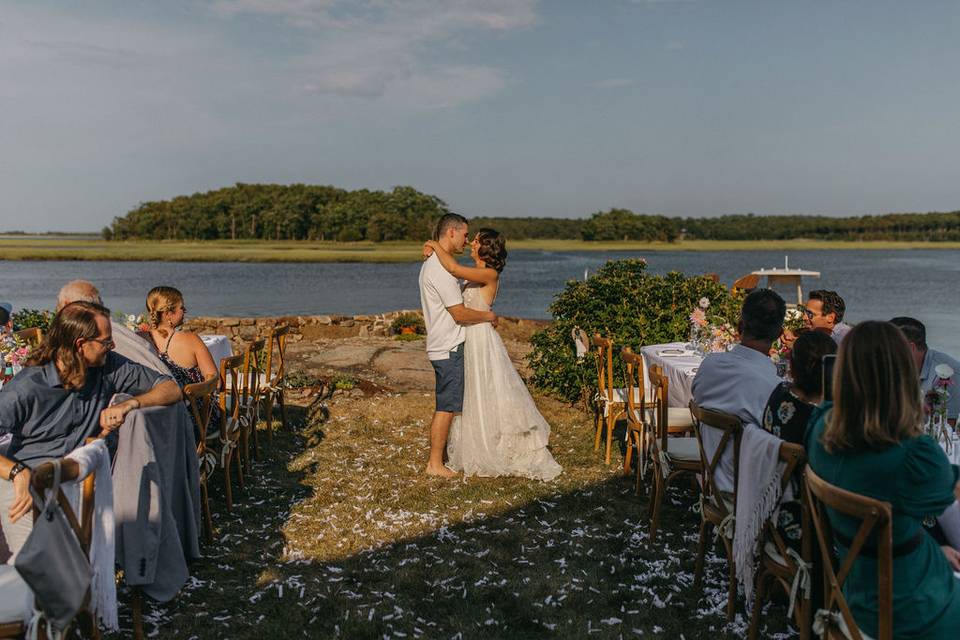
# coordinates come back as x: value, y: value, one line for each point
x: 219, y: 347
x: 679, y: 364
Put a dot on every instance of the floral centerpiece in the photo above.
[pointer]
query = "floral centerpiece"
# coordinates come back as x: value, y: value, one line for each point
x: 14, y: 352
x: 710, y: 335
x: 935, y: 405
x: 793, y: 323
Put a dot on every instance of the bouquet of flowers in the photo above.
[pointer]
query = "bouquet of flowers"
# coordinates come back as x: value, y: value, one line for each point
x: 710, y: 335
x: 132, y: 322
x: 935, y: 405
x: 14, y: 352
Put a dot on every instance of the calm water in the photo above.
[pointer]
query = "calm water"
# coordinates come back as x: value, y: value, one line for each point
x: 875, y: 284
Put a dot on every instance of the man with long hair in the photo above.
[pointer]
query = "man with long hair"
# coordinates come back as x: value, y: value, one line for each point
x: 63, y: 397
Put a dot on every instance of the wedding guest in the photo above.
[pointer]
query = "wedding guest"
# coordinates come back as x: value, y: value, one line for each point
x: 927, y: 360
x: 824, y: 312
x: 791, y: 403
x: 869, y: 441
x: 128, y: 344
x: 740, y: 381
x: 183, y: 352
x: 62, y: 397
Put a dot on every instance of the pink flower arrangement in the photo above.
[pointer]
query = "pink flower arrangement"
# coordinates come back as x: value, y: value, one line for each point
x: 698, y: 317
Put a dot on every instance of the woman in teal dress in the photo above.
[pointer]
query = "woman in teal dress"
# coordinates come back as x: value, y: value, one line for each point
x: 870, y: 441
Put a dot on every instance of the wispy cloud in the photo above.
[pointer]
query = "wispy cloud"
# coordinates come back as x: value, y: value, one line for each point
x: 391, y: 49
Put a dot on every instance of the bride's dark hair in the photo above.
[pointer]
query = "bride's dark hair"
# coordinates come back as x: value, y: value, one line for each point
x: 493, y: 249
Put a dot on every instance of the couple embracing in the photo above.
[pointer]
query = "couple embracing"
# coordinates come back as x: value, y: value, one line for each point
x: 485, y: 419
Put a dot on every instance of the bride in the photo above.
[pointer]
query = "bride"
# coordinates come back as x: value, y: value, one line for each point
x: 500, y: 432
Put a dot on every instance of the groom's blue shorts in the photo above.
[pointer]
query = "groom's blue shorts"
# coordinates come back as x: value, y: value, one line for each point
x: 449, y: 374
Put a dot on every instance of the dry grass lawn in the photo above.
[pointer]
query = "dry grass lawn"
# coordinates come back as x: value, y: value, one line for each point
x: 341, y: 535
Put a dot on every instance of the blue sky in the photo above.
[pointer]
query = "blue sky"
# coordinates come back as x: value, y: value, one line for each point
x: 510, y: 107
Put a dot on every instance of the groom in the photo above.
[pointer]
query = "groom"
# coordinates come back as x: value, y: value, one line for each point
x: 444, y: 315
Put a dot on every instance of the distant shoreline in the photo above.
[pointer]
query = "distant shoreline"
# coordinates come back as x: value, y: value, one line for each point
x: 65, y: 247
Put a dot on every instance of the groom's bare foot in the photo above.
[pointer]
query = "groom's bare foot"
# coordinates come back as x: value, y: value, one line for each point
x: 441, y: 471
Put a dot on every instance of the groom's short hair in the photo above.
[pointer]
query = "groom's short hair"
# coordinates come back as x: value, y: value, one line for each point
x: 446, y: 221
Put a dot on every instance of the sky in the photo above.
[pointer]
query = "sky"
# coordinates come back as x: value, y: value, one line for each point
x: 499, y: 107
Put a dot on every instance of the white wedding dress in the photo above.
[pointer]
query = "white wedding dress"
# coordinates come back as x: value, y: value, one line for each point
x: 500, y: 432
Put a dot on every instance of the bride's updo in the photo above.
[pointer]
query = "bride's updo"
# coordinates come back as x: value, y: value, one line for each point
x: 493, y: 249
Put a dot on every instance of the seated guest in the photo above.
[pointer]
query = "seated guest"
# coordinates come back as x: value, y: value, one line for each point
x: 791, y: 403
x: 183, y: 352
x: 824, y: 312
x: 927, y: 360
x: 62, y: 397
x: 740, y: 381
x: 869, y: 441
x: 127, y: 343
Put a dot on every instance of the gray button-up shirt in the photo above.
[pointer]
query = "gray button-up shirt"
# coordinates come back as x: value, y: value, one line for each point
x: 48, y: 421
x: 928, y: 376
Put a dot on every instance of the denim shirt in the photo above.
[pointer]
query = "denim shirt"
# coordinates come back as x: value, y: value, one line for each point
x: 48, y: 421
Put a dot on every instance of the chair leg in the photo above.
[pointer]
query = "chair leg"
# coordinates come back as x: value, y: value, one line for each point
x: 758, y: 596
x: 256, y: 443
x: 656, y: 500
x: 228, y: 490
x: 731, y: 581
x: 701, y: 554
x: 628, y: 456
x: 137, y: 607
x: 238, y: 454
x: 601, y: 420
x: 207, y: 518
x: 611, y: 420
x: 283, y: 410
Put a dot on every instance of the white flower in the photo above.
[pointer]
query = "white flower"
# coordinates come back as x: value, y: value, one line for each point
x: 704, y: 303
x: 944, y: 371
x: 131, y: 318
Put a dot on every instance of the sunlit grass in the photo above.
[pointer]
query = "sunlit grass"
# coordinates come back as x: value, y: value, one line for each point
x: 73, y: 248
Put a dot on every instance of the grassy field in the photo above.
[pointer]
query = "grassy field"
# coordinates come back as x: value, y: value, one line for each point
x: 73, y: 248
x: 340, y: 535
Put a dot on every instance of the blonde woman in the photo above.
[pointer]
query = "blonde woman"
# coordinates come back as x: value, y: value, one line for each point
x: 869, y: 441
x: 183, y: 352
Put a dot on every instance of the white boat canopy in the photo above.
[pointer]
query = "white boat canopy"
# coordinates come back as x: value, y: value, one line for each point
x: 787, y: 277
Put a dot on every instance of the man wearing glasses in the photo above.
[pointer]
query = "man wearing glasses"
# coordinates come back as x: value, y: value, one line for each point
x: 62, y: 398
x: 824, y: 312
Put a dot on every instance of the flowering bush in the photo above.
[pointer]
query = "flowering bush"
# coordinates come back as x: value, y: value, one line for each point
x: 29, y: 318
x: 14, y: 351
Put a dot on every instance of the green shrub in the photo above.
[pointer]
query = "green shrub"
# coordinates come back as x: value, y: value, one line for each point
x: 28, y: 318
x: 626, y: 304
x: 344, y: 382
x: 411, y: 320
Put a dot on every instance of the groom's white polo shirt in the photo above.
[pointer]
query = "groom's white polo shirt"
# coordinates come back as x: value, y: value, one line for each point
x: 439, y: 290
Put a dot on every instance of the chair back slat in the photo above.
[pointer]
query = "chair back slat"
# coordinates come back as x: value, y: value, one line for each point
x: 229, y: 387
x: 732, y: 429
x: 250, y: 386
x: 200, y: 402
x: 274, y: 369
x: 660, y: 394
x: 603, y: 354
x: 633, y: 377
x: 876, y: 521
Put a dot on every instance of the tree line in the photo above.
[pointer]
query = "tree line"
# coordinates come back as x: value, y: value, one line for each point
x: 318, y: 212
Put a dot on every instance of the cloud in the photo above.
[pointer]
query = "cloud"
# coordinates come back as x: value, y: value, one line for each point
x: 412, y: 52
x: 614, y: 83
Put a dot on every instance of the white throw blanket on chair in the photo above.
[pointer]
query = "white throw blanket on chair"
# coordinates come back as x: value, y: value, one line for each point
x: 758, y: 498
x: 94, y: 457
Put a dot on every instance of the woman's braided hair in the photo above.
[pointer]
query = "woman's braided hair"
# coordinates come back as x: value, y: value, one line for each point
x: 160, y: 300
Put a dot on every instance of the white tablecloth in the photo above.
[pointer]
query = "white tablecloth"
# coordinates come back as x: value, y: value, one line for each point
x: 219, y: 347
x: 679, y: 369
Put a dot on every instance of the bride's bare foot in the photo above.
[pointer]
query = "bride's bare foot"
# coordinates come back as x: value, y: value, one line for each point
x: 441, y: 472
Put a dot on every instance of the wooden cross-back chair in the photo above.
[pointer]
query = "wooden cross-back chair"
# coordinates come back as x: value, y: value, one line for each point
x: 42, y: 479
x: 200, y: 400
x: 638, y: 423
x: 250, y: 399
x: 718, y: 508
x: 610, y: 403
x: 32, y: 336
x: 273, y: 379
x: 671, y: 456
x: 780, y: 563
x: 875, y: 532
x: 226, y: 439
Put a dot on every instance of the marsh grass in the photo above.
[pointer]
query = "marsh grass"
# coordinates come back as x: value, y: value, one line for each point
x: 341, y: 535
x: 72, y: 248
